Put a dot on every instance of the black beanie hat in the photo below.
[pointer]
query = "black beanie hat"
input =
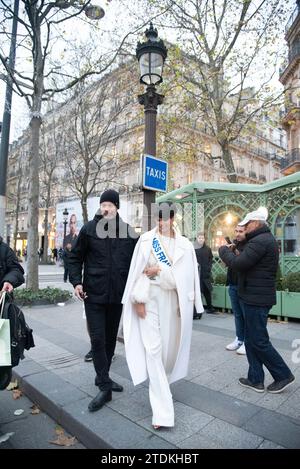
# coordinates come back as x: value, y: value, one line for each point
x: 110, y: 196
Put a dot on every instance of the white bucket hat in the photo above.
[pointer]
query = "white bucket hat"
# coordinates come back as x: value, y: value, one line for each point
x: 260, y: 214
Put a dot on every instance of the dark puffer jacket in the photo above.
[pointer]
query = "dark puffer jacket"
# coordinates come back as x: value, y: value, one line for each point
x: 256, y: 267
x: 10, y: 269
x: 106, y: 260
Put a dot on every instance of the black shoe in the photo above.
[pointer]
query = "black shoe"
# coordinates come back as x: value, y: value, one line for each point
x: 5, y: 376
x: 88, y: 357
x: 99, y: 401
x: 211, y: 311
x: 258, y: 387
x: 197, y: 316
x: 278, y: 386
x: 114, y: 387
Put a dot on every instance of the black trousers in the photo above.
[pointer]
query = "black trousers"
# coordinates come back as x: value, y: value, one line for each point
x: 66, y: 273
x: 207, y: 294
x: 103, y: 323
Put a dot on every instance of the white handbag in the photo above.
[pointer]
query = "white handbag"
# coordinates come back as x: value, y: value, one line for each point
x: 141, y: 289
x: 5, y: 355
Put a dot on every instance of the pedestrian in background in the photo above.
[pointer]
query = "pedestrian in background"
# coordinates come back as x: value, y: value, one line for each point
x: 256, y: 266
x: 66, y: 254
x: 204, y: 259
x: 55, y: 253
x: 232, y: 280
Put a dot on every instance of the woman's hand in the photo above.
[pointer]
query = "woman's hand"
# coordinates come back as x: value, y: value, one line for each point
x: 140, y: 310
x: 152, y: 271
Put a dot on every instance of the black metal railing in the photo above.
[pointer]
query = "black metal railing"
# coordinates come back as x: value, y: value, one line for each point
x: 252, y: 174
x: 240, y: 170
x: 292, y: 157
x: 294, y: 51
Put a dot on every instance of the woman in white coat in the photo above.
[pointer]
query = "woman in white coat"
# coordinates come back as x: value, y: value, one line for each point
x: 161, y: 291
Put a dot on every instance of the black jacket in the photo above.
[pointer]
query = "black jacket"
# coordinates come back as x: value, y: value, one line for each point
x: 256, y: 266
x: 10, y: 269
x: 106, y: 260
x: 232, y: 275
x: 204, y: 259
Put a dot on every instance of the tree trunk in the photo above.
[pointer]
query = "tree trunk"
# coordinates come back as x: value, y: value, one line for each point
x: 229, y: 166
x: 84, y: 209
x: 17, y: 213
x: 32, y: 280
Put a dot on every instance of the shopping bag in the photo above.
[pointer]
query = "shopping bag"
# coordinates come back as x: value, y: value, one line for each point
x: 5, y: 343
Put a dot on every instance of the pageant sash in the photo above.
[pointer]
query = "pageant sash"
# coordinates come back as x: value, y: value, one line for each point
x: 159, y: 252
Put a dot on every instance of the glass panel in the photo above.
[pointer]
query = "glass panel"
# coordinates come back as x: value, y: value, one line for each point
x: 156, y: 67
x: 151, y: 66
x: 290, y: 233
x: 145, y: 68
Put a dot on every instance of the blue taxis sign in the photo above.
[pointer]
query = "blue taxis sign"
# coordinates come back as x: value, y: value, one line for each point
x: 155, y: 174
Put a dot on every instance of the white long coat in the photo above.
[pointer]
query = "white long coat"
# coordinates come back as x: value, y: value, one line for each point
x: 185, y: 272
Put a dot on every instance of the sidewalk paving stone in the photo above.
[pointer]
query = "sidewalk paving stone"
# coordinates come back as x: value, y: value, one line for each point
x: 211, y: 409
x: 220, y: 434
x: 284, y: 431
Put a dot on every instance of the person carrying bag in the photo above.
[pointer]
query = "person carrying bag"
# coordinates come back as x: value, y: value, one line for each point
x: 5, y: 347
x: 5, y: 354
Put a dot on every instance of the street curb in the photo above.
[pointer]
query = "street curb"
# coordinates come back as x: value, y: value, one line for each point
x: 63, y: 418
x: 125, y: 433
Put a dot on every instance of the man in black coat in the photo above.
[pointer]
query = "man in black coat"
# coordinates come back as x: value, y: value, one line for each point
x: 204, y: 259
x: 256, y: 266
x: 104, y: 248
x: 11, y: 272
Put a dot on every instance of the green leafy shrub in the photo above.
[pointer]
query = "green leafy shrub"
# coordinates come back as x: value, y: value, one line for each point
x: 220, y: 279
x: 292, y: 282
x: 25, y: 296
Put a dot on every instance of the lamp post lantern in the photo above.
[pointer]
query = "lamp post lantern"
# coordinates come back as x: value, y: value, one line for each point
x: 151, y: 55
x: 65, y: 215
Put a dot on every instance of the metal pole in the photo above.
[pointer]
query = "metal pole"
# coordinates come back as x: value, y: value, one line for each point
x: 65, y: 230
x: 150, y: 100
x: 7, y: 118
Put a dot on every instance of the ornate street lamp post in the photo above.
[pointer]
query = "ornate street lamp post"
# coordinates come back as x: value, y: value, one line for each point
x: 65, y: 215
x: 151, y: 55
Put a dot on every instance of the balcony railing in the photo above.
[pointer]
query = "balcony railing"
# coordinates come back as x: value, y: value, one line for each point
x: 294, y: 51
x: 240, y: 170
x: 292, y: 157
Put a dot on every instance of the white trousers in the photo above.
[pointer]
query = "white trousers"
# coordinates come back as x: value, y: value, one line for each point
x: 160, y: 332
